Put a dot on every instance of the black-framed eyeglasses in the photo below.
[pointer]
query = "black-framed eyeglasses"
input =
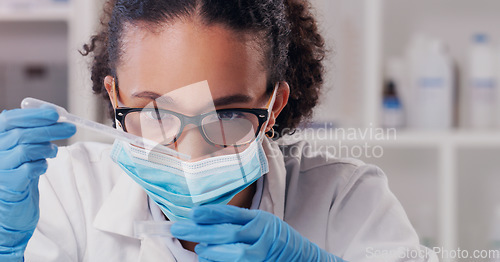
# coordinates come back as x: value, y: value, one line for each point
x: 224, y: 127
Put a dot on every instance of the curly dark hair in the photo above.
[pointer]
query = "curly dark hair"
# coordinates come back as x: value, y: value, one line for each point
x: 288, y: 31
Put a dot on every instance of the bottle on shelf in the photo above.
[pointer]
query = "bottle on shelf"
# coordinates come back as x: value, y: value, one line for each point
x: 482, y: 83
x: 431, y: 85
x: 393, y: 114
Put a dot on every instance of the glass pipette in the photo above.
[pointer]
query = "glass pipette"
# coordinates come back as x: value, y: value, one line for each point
x: 64, y: 116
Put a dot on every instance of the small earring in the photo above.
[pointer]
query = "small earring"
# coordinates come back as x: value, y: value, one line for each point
x: 272, y: 130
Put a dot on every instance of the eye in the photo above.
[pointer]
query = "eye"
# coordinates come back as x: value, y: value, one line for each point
x: 157, y: 115
x: 229, y: 115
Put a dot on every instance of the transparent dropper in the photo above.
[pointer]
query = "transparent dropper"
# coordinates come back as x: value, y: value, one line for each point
x: 64, y: 116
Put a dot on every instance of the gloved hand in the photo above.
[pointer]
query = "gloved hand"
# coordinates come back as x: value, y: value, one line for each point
x: 228, y: 233
x: 25, y: 136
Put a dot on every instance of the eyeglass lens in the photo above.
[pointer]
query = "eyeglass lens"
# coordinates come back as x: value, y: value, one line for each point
x: 227, y: 128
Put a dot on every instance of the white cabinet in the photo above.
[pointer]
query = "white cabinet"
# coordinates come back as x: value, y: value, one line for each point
x: 33, y: 60
x: 447, y: 181
x: 352, y: 30
x: 42, y: 40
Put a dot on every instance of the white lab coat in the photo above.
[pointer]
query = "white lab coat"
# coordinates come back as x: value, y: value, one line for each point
x: 88, y: 206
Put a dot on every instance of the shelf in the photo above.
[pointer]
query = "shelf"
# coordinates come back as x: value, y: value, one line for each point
x: 457, y: 138
x: 52, y: 14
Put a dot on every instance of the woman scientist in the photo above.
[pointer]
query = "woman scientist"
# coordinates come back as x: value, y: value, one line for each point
x: 207, y: 78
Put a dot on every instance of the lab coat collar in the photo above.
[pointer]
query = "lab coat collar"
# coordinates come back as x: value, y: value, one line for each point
x: 273, y: 195
x: 126, y: 203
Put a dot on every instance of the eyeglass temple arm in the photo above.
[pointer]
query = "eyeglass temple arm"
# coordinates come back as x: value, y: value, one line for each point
x: 115, y: 96
x: 271, y: 101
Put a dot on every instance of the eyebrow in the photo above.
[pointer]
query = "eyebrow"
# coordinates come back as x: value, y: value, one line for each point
x: 154, y: 96
x: 222, y: 101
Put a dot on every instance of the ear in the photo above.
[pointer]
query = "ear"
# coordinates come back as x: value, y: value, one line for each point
x: 109, y: 81
x: 279, y: 103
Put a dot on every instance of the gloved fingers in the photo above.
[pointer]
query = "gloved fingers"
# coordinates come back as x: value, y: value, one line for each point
x: 219, y: 214
x: 263, y: 223
x: 14, y: 244
x: 211, y: 234
x: 8, y: 196
x: 10, y: 119
x: 13, y: 158
x: 228, y: 252
x: 23, y: 214
x: 18, y: 179
x: 42, y: 134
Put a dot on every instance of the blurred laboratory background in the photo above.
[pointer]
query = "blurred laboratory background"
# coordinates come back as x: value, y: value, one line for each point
x: 429, y: 69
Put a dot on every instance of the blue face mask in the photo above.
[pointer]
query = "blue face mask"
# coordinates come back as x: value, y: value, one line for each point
x: 177, y: 186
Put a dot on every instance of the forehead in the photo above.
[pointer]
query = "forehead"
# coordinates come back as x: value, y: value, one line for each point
x: 171, y: 56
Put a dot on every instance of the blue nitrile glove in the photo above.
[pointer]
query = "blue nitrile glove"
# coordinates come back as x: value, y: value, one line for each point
x: 228, y: 233
x: 25, y: 136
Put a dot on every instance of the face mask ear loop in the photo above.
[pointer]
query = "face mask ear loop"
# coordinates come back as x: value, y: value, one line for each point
x: 271, y: 101
x: 270, y: 105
